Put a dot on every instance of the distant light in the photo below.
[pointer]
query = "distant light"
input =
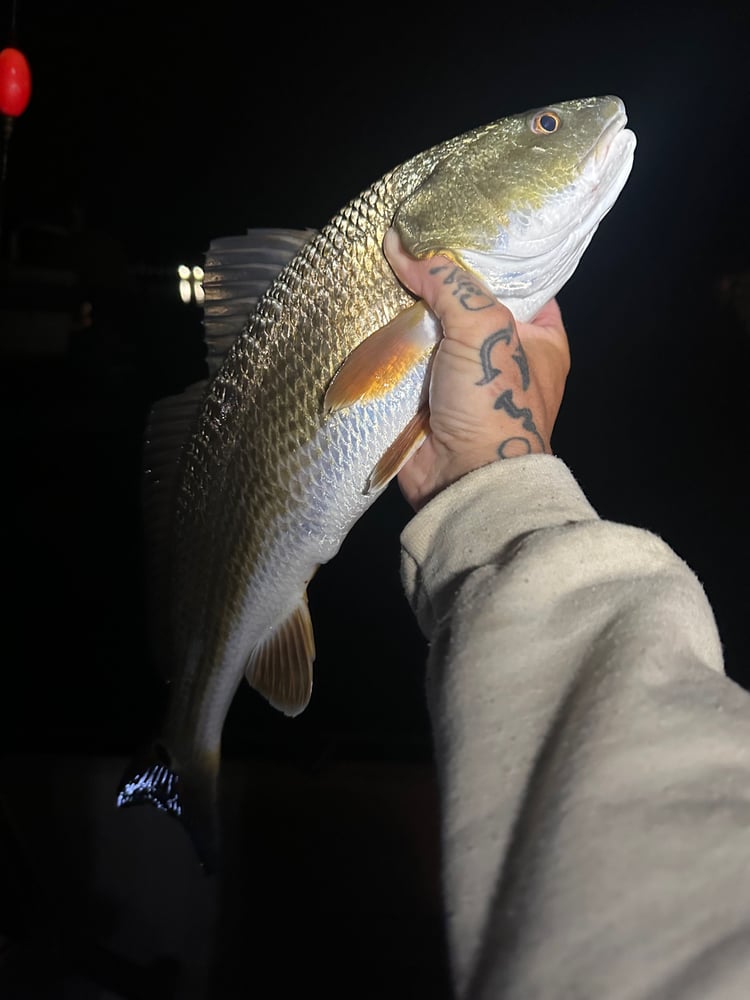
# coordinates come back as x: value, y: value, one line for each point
x: 191, y: 289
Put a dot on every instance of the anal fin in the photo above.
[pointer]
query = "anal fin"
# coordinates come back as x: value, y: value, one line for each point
x: 280, y: 668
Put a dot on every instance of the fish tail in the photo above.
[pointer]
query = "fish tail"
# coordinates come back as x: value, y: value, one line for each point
x: 187, y: 793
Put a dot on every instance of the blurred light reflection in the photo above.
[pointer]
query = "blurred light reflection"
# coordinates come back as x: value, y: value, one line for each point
x: 191, y: 288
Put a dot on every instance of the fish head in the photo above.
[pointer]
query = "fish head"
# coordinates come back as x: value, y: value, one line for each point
x: 517, y: 201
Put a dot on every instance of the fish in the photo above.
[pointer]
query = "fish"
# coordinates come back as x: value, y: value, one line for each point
x: 318, y: 361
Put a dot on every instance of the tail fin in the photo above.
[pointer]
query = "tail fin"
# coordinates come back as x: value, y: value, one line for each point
x: 189, y: 795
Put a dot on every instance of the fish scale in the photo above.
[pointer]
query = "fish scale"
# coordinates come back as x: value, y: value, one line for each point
x: 318, y: 398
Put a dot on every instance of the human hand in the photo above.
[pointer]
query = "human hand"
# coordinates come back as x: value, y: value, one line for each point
x: 495, y: 386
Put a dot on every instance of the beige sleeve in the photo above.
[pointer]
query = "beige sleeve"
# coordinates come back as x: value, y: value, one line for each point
x: 593, y: 758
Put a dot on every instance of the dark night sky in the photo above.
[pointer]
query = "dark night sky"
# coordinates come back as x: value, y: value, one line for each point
x: 169, y: 127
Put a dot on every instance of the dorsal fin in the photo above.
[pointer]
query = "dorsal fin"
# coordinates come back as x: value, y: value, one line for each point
x: 167, y: 429
x: 236, y: 272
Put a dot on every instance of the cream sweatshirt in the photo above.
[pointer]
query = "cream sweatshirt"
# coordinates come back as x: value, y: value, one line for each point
x: 593, y: 758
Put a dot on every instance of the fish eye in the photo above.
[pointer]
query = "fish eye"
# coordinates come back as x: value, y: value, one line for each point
x: 545, y: 123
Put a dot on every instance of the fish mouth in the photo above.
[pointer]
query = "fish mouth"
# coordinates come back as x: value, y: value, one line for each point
x: 608, y: 166
x: 614, y: 146
x: 614, y: 128
x: 611, y: 135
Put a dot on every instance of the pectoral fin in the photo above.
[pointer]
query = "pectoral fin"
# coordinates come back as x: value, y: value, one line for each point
x: 280, y: 668
x: 381, y: 361
x: 410, y: 438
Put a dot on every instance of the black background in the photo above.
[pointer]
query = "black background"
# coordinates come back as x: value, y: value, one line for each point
x: 161, y: 130
x: 153, y: 130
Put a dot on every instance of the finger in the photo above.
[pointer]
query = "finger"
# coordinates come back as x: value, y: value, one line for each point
x: 465, y: 306
x: 406, y: 268
x: 546, y: 334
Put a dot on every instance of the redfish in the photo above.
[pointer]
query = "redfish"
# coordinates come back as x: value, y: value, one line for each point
x: 317, y: 396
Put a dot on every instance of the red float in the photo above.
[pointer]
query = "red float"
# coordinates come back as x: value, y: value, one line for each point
x: 15, y: 82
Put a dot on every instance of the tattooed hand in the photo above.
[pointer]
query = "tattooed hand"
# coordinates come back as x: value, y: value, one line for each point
x: 496, y: 386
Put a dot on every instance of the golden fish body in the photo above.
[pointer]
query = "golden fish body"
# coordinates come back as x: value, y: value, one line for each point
x: 320, y: 399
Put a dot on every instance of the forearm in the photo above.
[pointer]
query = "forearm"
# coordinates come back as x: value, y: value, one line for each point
x: 592, y: 757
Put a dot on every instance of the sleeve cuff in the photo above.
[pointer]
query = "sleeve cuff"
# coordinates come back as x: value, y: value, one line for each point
x: 471, y: 523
